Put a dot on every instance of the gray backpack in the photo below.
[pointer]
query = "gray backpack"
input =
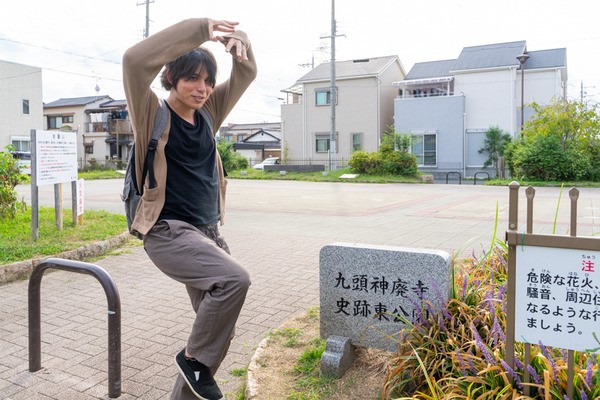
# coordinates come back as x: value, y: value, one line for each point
x: 131, y: 194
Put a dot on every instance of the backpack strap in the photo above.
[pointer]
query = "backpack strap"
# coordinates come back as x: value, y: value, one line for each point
x: 160, y: 124
x: 208, y: 118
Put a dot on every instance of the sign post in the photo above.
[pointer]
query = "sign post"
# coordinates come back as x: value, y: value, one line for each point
x: 553, y: 288
x: 53, y: 161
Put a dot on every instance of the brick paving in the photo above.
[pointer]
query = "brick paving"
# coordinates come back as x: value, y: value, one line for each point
x: 276, y: 229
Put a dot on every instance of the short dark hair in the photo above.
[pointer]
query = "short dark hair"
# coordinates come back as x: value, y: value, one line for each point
x: 185, y: 66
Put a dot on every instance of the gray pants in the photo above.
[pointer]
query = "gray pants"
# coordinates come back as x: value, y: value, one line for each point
x: 216, y: 284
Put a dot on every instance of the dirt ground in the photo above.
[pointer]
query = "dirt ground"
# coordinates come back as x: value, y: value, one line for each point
x: 275, y: 377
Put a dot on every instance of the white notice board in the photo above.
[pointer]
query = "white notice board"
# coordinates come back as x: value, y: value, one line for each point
x: 55, y: 157
x: 558, y: 297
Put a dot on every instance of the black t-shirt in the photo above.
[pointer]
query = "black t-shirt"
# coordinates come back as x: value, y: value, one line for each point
x: 192, y: 193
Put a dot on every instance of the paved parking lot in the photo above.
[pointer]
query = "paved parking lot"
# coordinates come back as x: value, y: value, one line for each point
x: 276, y: 228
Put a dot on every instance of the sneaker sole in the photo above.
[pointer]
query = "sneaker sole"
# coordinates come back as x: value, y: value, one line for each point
x: 188, y: 382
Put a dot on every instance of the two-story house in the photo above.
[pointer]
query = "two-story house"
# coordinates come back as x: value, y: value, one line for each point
x: 255, y: 141
x: 102, y: 126
x: 363, y: 109
x: 448, y: 105
x: 20, y: 104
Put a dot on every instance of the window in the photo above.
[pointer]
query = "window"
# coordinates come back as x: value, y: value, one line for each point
x: 423, y: 146
x: 55, y: 122
x: 323, y: 97
x: 21, y: 145
x: 356, y: 141
x: 26, y: 106
x: 322, y: 142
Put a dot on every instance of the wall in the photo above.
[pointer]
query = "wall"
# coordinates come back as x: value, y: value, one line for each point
x: 292, y: 130
x: 18, y: 82
x: 443, y: 114
x: 490, y: 98
x: 80, y: 119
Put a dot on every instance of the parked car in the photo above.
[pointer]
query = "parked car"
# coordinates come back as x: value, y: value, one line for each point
x: 267, y: 161
x: 23, y: 161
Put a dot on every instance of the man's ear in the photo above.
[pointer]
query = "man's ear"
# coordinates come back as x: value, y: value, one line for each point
x: 169, y: 79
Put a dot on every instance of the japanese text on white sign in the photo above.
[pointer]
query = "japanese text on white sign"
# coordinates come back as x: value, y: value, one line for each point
x: 558, y: 297
x: 56, y: 157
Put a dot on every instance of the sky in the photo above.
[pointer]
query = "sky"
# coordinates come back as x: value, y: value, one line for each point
x: 79, y: 43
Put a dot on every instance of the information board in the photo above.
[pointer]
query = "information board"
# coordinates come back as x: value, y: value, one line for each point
x: 557, y: 298
x: 56, y: 157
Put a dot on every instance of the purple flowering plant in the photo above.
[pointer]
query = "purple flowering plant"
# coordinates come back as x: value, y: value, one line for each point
x: 459, y: 352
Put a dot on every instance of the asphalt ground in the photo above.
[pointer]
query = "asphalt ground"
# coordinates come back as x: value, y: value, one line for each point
x: 276, y: 229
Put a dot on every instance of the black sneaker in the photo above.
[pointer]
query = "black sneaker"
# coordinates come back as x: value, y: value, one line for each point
x: 198, y: 377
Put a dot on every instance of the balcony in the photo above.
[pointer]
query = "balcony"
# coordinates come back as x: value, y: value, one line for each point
x: 120, y: 126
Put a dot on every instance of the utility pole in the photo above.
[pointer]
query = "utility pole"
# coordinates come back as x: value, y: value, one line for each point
x: 332, y: 137
x: 147, y: 3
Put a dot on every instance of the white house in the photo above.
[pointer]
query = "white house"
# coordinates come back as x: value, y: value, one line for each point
x: 102, y: 125
x: 20, y: 104
x: 448, y: 105
x: 260, y: 145
x: 364, y: 109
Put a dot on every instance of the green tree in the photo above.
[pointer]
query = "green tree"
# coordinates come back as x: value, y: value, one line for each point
x: 10, y: 176
x: 565, y: 133
x: 393, y: 140
x: 393, y: 157
x: 494, y: 143
x: 231, y: 160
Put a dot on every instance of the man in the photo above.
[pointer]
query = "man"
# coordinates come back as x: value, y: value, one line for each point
x: 178, y: 217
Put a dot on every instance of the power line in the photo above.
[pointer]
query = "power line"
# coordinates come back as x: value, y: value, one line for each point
x: 62, y: 51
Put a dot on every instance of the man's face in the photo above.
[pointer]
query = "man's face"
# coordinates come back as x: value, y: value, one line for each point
x: 194, y: 91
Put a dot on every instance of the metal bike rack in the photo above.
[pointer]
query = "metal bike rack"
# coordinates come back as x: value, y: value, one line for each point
x: 457, y: 173
x: 114, y: 316
x: 480, y: 173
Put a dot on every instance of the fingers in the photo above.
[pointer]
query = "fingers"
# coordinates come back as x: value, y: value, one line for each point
x: 221, y: 26
x: 240, y: 49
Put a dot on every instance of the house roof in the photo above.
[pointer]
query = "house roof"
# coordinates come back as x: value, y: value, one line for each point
x: 489, y: 56
x: 76, y: 101
x: 349, y: 69
x: 430, y: 69
x: 552, y: 58
x: 264, y: 136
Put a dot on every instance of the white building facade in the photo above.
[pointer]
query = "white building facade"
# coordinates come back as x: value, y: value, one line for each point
x: 448, y: 105
x: 21, y: 104
x: 363, y: 110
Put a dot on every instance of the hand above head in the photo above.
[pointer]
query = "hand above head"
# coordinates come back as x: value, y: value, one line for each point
x: 240, y: 48
x: 228, y: 41
x: 220, y: 26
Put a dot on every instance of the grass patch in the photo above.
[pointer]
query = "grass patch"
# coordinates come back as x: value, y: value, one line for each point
x: 289, y: 335
x: 331, y: 176
x: 524, y: 182
x: 311, y: 384
x: 16, y: 243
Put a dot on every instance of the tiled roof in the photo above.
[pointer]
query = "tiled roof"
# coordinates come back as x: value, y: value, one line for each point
x: 551, y: 58
x: 76, y: 101
x: 430, y: 69
x: 489, y: 56
x: 349, y: 69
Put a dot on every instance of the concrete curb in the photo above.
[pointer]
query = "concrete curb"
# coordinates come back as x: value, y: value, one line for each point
x: 22, y: 269
x: 252, y: 389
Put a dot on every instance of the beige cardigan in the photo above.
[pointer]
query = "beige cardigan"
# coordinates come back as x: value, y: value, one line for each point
x: 141, y: 64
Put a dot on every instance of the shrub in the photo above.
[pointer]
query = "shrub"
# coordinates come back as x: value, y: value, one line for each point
x: 231, y: 160
x: 9, y: 178
x: 399, y: 163
x: 459, y: 352
x: 359, y: 162
x: 545, y: 158
x: 394, y: 162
